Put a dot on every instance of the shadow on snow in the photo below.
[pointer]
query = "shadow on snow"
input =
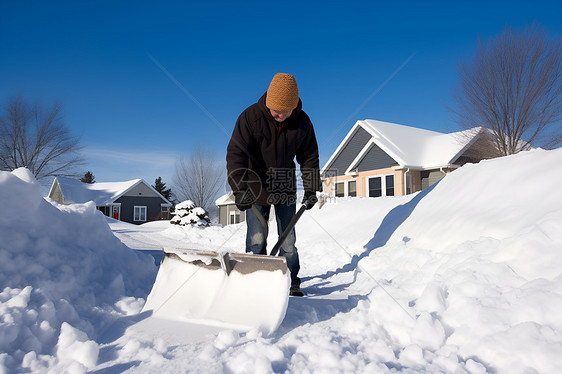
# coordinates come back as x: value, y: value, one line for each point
x: 309, y: 310
x: 111, y: 333
x: 388, y: 226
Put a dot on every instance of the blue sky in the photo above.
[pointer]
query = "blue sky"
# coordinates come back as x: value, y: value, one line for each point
x: 142, y: 83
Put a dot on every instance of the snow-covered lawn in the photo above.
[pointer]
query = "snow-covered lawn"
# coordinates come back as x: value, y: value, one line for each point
x: 465, y: 276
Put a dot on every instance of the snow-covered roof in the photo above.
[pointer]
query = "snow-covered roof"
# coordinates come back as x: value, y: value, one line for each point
x: 75, y: 191
x: 225, y: 199
x: 409, y: 146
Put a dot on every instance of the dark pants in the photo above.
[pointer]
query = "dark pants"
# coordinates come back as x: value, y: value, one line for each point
x: 256, y: 236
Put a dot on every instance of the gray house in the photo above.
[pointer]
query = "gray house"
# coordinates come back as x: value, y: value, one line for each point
x: 133, y: 201
x: 228, y: 213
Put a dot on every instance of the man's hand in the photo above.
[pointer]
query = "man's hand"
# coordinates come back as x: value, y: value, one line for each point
x: 244, y: 199
x: 309, y: 199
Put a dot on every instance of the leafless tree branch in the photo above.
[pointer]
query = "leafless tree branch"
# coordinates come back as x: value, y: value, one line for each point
x: 512, y: 86
x: 37, y: 139
x: 200, y: 177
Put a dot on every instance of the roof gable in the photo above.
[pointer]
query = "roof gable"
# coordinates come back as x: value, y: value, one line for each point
x: 355, y: 142
x: 225, y: 199
x: 408, y: 146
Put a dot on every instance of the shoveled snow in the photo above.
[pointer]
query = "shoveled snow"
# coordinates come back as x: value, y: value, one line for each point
x: 63, y: 274
x: 464, y: 277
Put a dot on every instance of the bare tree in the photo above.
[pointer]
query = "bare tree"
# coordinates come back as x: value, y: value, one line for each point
x: 512, y: 86
x: 200, y: 177
x: 37, y: 139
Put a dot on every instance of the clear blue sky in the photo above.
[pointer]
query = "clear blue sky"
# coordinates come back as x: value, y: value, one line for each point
x: 106, y: 61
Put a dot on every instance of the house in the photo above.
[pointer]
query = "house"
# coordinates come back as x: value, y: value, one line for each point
x: 133, y: 201
x: 385, y: 159
x: 228, y: 213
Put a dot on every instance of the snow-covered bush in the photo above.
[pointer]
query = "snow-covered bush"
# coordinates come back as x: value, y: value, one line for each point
x: 186, y: 213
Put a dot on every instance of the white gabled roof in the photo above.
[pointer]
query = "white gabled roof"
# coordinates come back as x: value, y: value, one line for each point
x: 75, y: 191
x: 225, y: 199
x: 409, y: 146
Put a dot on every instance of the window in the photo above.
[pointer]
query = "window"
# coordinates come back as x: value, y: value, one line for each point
x: 139, y: 214
x: 164, y: 212
x: 234, y: 217
x: 375, y: 187
x: 382, y: 185
x: 104, y: 210
x: 389, y: 185
x: 352, y: 188
x: 345, y: 188
x: 340, y: 189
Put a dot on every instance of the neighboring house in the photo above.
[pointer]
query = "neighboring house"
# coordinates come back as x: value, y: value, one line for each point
x: 133, y: 201
x: 228, y: 213
x: 385, y: 159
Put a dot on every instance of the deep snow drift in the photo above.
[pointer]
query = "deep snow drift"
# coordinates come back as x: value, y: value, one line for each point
x: 465, y: 276
x: 64, y: 277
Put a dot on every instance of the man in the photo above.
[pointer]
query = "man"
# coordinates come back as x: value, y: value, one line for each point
x: 267, y: 137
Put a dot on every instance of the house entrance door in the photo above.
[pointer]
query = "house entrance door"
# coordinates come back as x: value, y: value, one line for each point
x: 115, y: 210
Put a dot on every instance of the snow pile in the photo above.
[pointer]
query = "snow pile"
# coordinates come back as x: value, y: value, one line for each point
x: 464, y: 277
x: 62, y: 271
x: 186, y: 213
x: 476, y: 270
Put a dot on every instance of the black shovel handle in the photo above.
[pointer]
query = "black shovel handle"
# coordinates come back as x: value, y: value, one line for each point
x: 287, y: 230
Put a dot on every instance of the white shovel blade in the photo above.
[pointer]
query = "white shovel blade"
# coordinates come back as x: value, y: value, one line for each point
x: 194, y: 287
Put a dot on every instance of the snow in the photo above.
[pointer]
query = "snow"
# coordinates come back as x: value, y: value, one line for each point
x: 186, y: 213
x: 464, y: 277
x: 412, y: 147
x: 74, y: 191
x: 227, y: 198
x: 62, y: 271
x: 419, y: 148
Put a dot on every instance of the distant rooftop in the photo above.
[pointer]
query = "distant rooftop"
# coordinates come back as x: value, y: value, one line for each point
x: 75, y: 191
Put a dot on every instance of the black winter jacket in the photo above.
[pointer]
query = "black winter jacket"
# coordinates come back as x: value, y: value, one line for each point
x: 261, y: 154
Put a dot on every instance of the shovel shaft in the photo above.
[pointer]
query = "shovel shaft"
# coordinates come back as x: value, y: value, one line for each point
x: 288, y: 230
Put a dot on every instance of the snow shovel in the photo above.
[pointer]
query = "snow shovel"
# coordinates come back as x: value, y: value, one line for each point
x: 232, y: 290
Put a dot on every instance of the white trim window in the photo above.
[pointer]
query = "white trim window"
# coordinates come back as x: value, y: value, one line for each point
x: 339, y: 189
x: 345, y: 188
x: 139, y: 214
x: 234, y: 217
x: 352, y: 188
x: 380, y: 185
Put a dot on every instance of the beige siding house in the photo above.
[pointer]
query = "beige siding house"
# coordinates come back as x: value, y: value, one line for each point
x: 385, y: 159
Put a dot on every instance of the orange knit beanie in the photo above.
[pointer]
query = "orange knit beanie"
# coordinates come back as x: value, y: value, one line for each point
x: 283, y: 93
